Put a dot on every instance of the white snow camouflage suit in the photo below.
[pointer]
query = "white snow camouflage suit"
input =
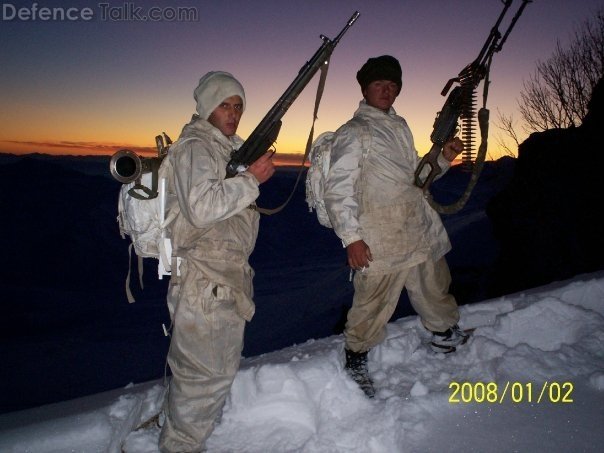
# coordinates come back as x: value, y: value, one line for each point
x: 214, y: 233
x: 373, y: 198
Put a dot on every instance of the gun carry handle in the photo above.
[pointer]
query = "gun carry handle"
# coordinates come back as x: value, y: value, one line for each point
x: 430, y: 159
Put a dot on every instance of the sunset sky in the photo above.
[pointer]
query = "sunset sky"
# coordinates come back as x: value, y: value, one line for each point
x: 98, y: 84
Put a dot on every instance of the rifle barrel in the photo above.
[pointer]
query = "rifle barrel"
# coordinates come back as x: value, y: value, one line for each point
x: 512, y: 23
x: 263, y: 136
x: 351, y: 21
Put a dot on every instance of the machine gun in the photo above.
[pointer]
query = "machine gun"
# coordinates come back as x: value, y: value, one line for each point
x: 460, y: 104
x: 265, y: 134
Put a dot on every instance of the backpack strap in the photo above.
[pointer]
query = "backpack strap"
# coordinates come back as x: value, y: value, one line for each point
x: 365, y: 133
x: 129, y: 295
x: 364, y: 130
x: 152, y: 192
x: 165, y: 265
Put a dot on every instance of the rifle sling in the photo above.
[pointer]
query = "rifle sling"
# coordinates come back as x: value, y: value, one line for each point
x: 319, y: 95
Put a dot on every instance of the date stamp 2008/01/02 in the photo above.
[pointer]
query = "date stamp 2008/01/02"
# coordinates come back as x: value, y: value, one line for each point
x: 515, y: 392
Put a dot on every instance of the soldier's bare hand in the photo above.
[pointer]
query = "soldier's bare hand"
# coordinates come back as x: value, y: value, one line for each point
x: 359, y: 255
x: 263, y: 168
x: 452, y: 148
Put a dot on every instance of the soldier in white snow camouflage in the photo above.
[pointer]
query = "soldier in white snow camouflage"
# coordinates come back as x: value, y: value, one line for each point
x: 214, y: 234
x: 393, y: 237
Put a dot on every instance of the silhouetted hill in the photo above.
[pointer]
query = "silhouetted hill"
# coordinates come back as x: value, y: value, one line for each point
x: 59, y: 226
x: 548, y: 219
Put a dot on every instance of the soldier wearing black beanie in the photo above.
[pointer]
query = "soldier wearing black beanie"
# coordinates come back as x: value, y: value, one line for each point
x: 394, y: 239
x: 380, y: 68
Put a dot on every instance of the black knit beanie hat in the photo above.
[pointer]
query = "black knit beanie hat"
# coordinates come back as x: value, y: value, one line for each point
x: 380, y: 68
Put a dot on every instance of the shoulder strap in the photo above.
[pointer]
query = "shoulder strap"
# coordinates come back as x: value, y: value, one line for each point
x: 365, y: 133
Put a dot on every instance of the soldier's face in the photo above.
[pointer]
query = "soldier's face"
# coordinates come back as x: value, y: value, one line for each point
x: 381, y: 94
x: 226, y: 116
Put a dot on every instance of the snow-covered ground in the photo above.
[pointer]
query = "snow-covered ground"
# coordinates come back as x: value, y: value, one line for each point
x: 530, y: 379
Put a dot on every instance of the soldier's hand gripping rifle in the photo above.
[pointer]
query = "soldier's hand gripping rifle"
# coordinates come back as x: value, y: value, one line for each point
x: 265, y: 134
x: 461, y: 102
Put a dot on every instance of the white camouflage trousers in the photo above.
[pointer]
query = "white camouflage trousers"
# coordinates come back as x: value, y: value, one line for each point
x: 204, y: 356
x: 376, y: 296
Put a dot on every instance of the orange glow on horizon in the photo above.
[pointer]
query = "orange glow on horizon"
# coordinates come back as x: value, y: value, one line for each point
x: 66, y: 148
x: 97, y: 149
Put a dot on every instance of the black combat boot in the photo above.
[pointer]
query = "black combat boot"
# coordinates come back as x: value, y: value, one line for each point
x: 447, y: 341
x: 356, y: 366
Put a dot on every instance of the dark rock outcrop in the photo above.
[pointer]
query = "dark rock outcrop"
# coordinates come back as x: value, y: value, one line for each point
x: 549, y: 218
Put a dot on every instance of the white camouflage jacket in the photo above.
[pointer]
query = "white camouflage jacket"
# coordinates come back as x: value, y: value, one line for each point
x: 370, y: 195
x: 215, y: 230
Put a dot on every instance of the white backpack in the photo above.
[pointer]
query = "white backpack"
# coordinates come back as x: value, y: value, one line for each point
x: 142, y: 217
x: 319, y: 158
x: 143, y: 220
